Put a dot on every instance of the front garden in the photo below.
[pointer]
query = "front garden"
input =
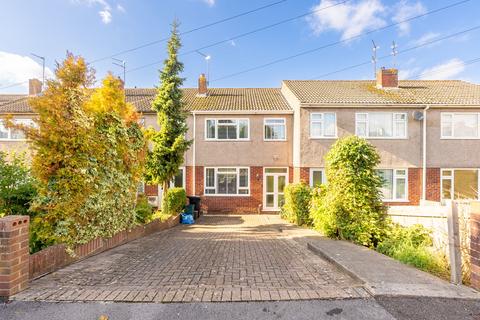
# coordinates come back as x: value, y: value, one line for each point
x: 349, y: 207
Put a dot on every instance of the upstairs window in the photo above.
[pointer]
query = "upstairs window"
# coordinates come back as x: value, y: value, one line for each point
x: 381, y: 125
x: 14, y: 134
x: 460, y: 125
x: 323, y: 125
x: 275, y: 129
x: 227, y: 129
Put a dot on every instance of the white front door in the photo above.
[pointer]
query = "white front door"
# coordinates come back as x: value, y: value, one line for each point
x: 274, y: 181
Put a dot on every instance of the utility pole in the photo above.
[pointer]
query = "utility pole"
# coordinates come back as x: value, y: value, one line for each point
x: 121, y: 64
x: 374, y: 59
x: 207, y: 59
x: 43, y: 67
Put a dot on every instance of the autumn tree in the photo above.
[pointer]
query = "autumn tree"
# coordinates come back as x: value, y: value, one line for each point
x: 169, y: 143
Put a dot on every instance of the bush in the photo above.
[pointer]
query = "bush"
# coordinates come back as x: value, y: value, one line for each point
x: 413, y: 246
x: 350, y: 206
x: 297, y: 203
x: 174, y: 201
x: 17, y: 186
x: 143, y: 210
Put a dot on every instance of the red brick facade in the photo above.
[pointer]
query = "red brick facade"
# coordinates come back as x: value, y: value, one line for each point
x: 433, y: 192
x: 475, y: 245
x: 14, y: 255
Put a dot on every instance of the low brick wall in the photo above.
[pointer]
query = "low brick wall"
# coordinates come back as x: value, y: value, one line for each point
x: 55, y: 257
x: 475, y: 244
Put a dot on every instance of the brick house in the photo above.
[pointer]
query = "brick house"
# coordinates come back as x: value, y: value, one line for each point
x: 250, y: 142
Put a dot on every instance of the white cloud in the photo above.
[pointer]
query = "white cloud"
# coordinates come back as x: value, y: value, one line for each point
x: 404, y: 74
x: 405, y: 10
x: 350, y: 19
x: 210, y: 3
x: 15, y: 68
x: 446, y: 70
x: 427, y: 37
x: 121, y: 8
x: 233, y: 43
x: 105, y: 13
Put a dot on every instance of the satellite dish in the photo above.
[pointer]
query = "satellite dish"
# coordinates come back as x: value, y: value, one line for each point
x: 418, y: 115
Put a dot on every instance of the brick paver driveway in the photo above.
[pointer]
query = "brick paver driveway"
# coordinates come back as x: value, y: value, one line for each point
x: 222, y: 258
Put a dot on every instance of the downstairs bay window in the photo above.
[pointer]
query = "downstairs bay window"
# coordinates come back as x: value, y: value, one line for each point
x: 458, y: 184
x: 227, y: 181
x: 395, y: 184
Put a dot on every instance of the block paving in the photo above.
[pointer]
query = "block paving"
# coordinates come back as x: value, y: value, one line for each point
x: 221, y: 258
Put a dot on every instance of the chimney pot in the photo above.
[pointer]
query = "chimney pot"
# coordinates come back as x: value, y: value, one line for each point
x: 387, y: 78
x: 34, y: 87
x: 202, y: 86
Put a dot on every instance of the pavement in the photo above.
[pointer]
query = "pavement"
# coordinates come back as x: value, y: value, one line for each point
x: 349, y: 309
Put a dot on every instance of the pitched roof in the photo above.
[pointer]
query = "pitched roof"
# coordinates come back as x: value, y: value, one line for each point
x: 361, y: 92
x: 218, y: 99
x: 6, y: 98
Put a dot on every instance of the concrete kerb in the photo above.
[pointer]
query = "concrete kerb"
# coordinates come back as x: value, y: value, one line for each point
x: 382, y: 276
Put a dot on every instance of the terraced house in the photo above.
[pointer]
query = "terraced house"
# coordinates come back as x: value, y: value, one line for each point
x: 250, y: 142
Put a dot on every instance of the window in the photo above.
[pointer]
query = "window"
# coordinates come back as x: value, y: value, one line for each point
x: 460, y: 184
x: 14, y: 134
x: 381, y: 125
x: 227, y: 129
x: 323, y: 125
x: 394, y: 184
x: 275, y: 129
x: 179, y: 180
x: 460, y: 125
x: 227, y: 181
x: 317, y: 177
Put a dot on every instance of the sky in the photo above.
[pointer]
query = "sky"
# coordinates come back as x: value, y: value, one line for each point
x: 328, y: 36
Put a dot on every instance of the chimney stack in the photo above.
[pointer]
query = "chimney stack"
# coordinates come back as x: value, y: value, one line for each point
x: 202, y: 86
x: 387, y: 78
x: 34, y: 87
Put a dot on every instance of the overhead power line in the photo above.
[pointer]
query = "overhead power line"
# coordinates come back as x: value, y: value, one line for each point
x: 242, y: 35
x: 208, y: 25
x: 332, y: 44
x: 423, y: 44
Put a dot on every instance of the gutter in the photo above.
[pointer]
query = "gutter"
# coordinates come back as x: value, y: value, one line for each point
x: 424, y: 154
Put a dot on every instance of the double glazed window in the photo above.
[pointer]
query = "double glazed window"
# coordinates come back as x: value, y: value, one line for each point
x: 381, y: 125
x: 317, y: 177
x: 323, y: 125
x: 227, y: 181
x: 14, y: 134
x: 460, y: 125
x: 460, y: 184
x: 275, y: 129
x: 394, y: 184
x: 227, y: 129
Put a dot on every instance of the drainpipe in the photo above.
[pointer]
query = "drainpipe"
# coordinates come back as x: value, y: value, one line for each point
x: 424, y: 151
x: 193, y: 151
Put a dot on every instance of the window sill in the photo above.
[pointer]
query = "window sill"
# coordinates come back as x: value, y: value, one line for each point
x: 384, y: 138
x: 274, y: 140
x: 460, y: 138
x: 226, y: 195
x: 396, y: 201
x: 227, y: 140
x: 323, y: 138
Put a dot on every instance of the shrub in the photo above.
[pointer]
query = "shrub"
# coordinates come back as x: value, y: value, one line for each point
x: 17, y: 186
x: 297, y: 203
x: 413, y: 246
x: 174, y: 201
x: 143, y: 210
x: 350, y: 206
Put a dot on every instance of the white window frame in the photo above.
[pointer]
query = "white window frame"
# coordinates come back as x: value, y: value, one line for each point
x: 452, y: 178
x: 394, y: 186
x: 367, y: 125
x: 215, y: 187
x: 452, y: 114
x: 229, y: 119
x: 265, y: 129
x: 324, y: 177
x: 184, y: 178
x: 9, y: 130
x: 322, y: 121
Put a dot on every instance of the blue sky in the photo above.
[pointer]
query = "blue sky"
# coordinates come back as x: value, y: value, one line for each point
x: 99, y: 28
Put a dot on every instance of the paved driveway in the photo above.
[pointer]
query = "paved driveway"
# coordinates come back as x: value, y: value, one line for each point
x: 222, y: 258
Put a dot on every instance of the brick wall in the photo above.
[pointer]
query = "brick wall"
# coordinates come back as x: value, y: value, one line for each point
x: 14, y: 255
x: 475, y: 244
x: 305, y: 175
x: 433, y: 184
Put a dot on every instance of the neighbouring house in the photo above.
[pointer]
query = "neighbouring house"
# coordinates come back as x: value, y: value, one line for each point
x: 250, y: 142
